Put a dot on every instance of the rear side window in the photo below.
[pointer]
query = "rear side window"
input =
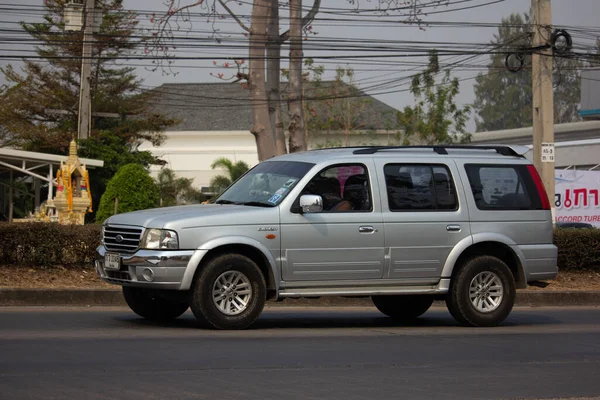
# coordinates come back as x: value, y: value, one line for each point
x: 503, y: 187
x: 420, y: 187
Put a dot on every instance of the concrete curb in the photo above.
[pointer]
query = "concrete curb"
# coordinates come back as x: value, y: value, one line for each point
x: 112, y: 297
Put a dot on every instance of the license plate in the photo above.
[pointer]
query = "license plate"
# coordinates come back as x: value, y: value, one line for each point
x: 112, y: 261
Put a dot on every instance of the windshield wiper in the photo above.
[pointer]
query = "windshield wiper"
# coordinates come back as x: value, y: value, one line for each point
x: 256, y: 203
x: 225, y: 202
x: 245, y: 203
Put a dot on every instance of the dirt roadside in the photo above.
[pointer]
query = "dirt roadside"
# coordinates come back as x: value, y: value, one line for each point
x: 86, y: 278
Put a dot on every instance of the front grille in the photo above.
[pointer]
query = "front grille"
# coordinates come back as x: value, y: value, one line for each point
x: 130, y: 238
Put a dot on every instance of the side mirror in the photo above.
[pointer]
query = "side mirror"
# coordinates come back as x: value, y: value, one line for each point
x: 311, y: 203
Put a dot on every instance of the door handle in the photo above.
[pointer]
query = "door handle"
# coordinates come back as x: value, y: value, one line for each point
x: 366, y: 229
x: 453, y: 228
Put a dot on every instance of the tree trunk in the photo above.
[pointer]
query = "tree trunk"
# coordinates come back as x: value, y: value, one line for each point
x: 297, y: 140
x: 261, y: 128
x: 274, y: 78
x: 279, y: 129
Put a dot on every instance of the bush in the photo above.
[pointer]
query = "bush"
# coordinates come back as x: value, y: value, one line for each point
x: 47, y: 243
x: 578, y: 249
x: 134, y: 189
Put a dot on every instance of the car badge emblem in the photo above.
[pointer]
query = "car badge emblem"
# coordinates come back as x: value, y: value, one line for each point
x: 119, y: 238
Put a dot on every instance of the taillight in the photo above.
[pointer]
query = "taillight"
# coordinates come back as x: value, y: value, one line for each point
x: 540, y: 187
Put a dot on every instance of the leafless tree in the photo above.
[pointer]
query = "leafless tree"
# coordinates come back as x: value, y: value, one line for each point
x: 265, y: 42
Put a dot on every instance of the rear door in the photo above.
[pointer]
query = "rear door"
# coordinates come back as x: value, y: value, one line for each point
x: 424, y: 216
x: 505, y: 200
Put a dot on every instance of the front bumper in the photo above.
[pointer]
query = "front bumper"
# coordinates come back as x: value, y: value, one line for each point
x: 149, y: 268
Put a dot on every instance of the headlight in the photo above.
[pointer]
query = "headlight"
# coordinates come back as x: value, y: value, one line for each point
x: 160, y: 239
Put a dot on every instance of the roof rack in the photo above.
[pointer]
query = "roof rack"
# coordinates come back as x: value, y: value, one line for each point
x: 513, y: 151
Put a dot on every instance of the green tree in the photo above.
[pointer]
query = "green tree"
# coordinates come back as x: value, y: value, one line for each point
x: 174, y: 191
x: 435, y: 118
x: 134, y: 190
x: 39, y: 105
x: 234, y: 171
x: 116, y: 152
x: 503, y: 99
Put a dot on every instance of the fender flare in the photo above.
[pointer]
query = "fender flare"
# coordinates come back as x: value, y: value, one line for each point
x: 203, y: 250
x: 469, y: 241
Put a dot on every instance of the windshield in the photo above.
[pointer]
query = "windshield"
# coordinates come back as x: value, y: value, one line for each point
x: 265, y: 185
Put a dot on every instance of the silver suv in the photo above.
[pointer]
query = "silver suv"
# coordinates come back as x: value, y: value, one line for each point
x: 403, y: 225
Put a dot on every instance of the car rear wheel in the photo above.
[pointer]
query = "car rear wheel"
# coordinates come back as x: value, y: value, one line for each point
x: 482, y: 293
x: 403, y: 307
x: 155, y: 305
x: 229, y: 292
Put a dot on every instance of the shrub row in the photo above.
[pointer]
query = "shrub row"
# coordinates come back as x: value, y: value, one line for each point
x: 46, y: 244
x: 578, y: 249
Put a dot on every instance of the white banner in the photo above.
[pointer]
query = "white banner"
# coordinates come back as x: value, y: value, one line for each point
x: 576, y: 196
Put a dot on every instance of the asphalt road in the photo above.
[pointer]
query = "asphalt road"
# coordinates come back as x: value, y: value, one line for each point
x: 342, y: 353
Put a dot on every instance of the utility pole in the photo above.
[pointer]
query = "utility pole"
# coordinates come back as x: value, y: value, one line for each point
x: 85, y: 103
x: 543, y: 96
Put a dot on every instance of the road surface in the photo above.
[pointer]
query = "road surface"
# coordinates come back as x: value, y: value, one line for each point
x: 298, y: 353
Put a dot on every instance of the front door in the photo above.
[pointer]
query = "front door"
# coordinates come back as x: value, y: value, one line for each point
x: 345, y: 240
x: 425, y: 216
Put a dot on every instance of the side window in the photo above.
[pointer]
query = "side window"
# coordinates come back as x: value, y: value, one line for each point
x: 420, y: 187
x: 502, y: 187
x: 342, y: 187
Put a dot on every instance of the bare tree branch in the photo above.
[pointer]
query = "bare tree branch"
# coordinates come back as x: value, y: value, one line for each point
x: 235, y: 17
x: 305, y: 21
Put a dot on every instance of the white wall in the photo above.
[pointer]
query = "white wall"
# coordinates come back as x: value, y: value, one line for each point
x: 190, y: 154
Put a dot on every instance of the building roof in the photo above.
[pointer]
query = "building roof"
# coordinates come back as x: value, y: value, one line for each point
x: 222, y: 106
x: 524, y: 136
x: 13, y: 156
x: 37, y: 165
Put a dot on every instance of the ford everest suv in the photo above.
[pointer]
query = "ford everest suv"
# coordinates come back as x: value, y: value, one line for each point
x: 403, y: 225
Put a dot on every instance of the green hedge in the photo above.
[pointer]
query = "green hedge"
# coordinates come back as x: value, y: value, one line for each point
x: 578, y: 249
x: 45, y: 244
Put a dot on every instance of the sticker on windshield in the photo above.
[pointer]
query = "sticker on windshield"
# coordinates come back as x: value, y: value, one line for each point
x: 281, y: 191
x: 289, y: 183
x: 274, y: 198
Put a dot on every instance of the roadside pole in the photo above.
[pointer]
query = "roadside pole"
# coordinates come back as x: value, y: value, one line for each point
x: 543, y: 96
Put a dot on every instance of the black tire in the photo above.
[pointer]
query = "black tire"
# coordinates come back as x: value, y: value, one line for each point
x: 458, y: 299
x: 403, y: 307
x: 155, y: 305
x: 205, y: 308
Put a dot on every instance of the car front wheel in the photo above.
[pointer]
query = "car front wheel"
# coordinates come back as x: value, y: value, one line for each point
x: 229, y: 292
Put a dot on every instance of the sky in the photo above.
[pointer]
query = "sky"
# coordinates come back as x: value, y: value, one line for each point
x: 377, y: 80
